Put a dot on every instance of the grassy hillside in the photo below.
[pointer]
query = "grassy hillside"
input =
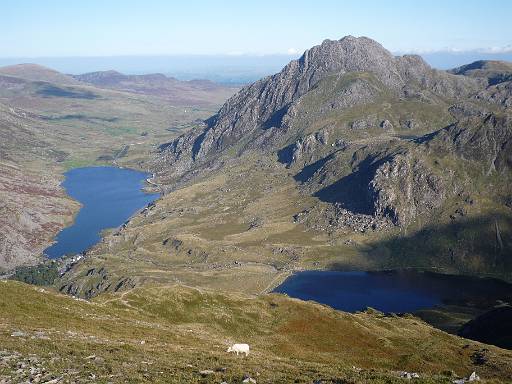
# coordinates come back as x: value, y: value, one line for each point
x: 171, y: 333
x: 37, y: 72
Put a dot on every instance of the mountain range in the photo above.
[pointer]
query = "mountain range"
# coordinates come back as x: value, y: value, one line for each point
x: 349, y: 158
x: 192, y: 92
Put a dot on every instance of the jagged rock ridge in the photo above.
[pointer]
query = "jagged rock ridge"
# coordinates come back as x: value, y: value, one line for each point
x: 262, y: 111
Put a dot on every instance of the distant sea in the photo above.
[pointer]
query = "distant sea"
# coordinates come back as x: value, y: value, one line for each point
x: 224, y: 69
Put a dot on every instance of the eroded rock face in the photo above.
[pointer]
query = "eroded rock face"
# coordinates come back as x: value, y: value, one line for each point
x: 346, y: 93
x: 486, y: 140
x: 408, y: 124
x: 335, y: 217
x: 95, y: 281
x: 305, y: 148
x: 405, y: 188
x: 33, y: 208
x: 500, y: 94
x: 464, y: 110
x: 386, y: 124
x: 363, y: 124
x: 258, y: 115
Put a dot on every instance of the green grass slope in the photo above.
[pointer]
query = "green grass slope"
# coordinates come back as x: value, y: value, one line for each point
x: 169, y: 334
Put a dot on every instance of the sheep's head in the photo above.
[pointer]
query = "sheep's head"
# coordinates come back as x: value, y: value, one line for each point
x: 230, y: 349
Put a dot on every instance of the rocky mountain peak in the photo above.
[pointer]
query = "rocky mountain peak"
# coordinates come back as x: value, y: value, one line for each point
x: 259, y: 114
x: 348, y: 54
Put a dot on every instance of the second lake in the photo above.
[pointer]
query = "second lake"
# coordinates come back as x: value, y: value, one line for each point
x: 392, y: 291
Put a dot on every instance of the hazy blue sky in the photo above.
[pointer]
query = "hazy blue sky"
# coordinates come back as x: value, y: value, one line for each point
x: 32, y: 28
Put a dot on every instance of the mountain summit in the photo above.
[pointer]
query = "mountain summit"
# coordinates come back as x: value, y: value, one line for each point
x: 354, y: 71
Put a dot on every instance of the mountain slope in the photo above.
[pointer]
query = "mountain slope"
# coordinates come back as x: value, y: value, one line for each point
x: 33, y: 207
x: 494, y: 71
x: 195, y: 92
x: 35, y: 72
x: 266, y: 110
x: 350, y: 101
x: 179, y: 334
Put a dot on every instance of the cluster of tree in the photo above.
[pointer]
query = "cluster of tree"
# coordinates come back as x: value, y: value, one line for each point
x: 42, y: 274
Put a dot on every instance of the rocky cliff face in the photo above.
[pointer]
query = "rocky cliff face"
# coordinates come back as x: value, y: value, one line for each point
x: 408, y: 186
x: 261, y: 113
x: 486, y: 140
x: 404, y: 188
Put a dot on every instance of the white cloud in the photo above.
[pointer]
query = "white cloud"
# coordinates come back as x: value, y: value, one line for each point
x: 455, y: 50
x: 292, y: 51
x: 236, y: 53
x: 504, y: 49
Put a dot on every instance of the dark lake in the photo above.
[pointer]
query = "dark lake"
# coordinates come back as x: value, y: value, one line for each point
x: 109, y: 196
x: 393, y: 291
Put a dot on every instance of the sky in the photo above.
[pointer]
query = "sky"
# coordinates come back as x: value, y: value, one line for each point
x: 63, y: 28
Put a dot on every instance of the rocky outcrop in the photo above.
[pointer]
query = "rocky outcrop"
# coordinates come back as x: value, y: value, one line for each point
x: 499, y: 94
x: 305, y: 149
x: 404, y: 188
x: 95, y: 281
x: 386, y: 124
x: 486, y: 140
x: 335, y: 217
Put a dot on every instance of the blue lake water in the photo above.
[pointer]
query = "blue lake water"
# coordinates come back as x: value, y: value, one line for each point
x: 394, y: 291
x: 109, y: 196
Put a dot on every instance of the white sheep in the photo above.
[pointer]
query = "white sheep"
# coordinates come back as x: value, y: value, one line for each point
x: 239, y: 348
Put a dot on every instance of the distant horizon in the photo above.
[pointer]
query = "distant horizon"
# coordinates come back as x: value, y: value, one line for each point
x: 228, y: 69
x: 479, y: 51
x: 233, y: 42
